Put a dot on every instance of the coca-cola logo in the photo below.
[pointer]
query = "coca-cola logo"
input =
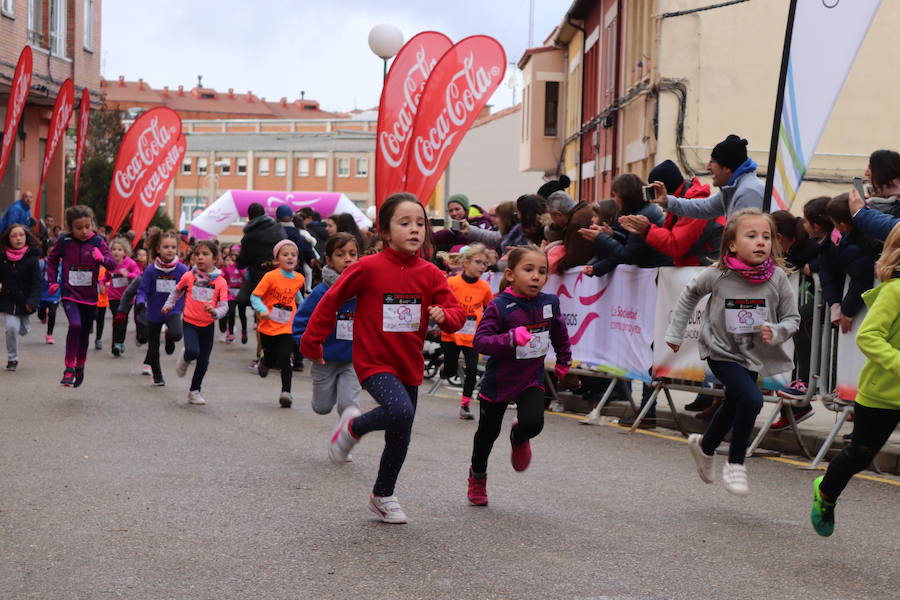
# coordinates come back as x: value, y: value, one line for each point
x: 59, y: 127
x: 82, y: 134
x: 467, y: 87
x: 161, y: 176
x: 16, y: 106
x: 150, y: 144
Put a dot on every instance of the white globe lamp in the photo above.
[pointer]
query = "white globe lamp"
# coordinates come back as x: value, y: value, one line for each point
x: 385, y: 41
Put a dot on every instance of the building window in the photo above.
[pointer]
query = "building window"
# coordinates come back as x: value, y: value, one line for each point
x: 264, y: 166
x: 202, y: 165
x: 186, y: 166
x: 303, y: 167
x: 551, y: 108
x: 321, y: 167
x: 362, y: 167
x: 280, y: 167
x: 58, y: 27
x: 36, y: 23
x: 343, y: 167
x: 89, y: 25
x: 225, y: 168
x: 191, y: 205
x: 9, y: 8
x: 241, y: 166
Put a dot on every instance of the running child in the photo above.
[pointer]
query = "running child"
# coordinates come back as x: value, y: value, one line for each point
x: 20, y: 285
x: 205, y: 296
x: 474, y: 294
x: 158, y: 281
x: 516, y: 331
x: 235, y: 278
x: 102, y: 305
x: 276, y: 299
x: 396, y: 292
x: 117, y: 281
x: 335, y: 381
x: 49, y: 303
x: 79, y: 254
x: 752, y: 311
x: 877, y: 409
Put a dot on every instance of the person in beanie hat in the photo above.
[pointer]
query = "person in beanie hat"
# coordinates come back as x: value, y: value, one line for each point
x: 557, y: 185
x: 735, y: 176
x: 458, y: 210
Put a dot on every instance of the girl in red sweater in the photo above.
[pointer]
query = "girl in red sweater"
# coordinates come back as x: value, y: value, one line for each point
x: 396, y: 292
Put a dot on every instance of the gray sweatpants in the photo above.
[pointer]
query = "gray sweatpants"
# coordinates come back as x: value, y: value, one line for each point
x: 334, y: 383
x: 15, y: 325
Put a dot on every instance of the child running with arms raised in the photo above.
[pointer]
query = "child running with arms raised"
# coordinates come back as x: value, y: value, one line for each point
x: 877, y: 410
x: 206, y: 299
x: 276, y: 299
x: 396, y: 292
x: 516, y: 332
x: 752, y: 311
x: 334, y: 382
x: 79, y: 254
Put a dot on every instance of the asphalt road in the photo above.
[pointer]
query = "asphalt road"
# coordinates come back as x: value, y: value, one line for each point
x: 121, y: 490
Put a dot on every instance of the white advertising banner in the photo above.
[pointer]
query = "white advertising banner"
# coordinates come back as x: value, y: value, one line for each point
x: 850, y: 360
x: 827, y: 35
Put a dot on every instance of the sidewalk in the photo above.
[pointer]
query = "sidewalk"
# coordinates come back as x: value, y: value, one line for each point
x: 813, y: 431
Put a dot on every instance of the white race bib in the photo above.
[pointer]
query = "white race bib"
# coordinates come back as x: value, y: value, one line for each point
x: 470, y: 326
x: 202, y: 293
x: 120, y: 282
x: 745, y: 315
x: 344, y: 330
x: 234, y: 290
x: 537, y: 346
x: 165, y: 286
x: 81, y: 277
x: 280, y: 314
x: 401, y: 313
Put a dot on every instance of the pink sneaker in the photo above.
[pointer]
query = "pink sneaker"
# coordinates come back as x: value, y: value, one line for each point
x: 50, y: 339
x: 521, y: 453
x: 477, y: 490
x: 229, y: 339
x: 342, y: 441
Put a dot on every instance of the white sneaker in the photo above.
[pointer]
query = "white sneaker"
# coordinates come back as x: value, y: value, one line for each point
x: 342, y: 441
x: 146, y: 370
x: 194, y: 397
x: 705, y: 463
x: 387, y: 508
x: 181, y: 365
x: 735, y: 478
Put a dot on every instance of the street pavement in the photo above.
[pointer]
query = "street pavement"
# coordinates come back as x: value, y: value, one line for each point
x: 121, y: 490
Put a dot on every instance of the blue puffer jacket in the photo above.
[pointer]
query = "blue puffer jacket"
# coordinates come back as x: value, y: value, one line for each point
x: 333, y: 349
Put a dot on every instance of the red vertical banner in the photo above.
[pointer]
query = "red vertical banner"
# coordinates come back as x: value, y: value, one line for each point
x: 84, y: 116
x: 59, y: 122
x: 155, y: 185
x: 18, y: 96
x: 397, y: 109
x: 460, y: 85
x: 146, y: 143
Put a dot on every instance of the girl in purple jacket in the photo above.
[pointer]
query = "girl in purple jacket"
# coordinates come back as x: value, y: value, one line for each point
x: 516, y: 332
x: 78, y: 255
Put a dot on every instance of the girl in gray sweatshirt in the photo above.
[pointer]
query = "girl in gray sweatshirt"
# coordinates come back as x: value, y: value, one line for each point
x: 751, y: 312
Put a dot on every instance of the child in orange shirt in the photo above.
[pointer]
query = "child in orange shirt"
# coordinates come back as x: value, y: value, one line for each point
x: 276, y: 299
x: 474, y: 294
x: 102, y: 304
x: 206, y: 300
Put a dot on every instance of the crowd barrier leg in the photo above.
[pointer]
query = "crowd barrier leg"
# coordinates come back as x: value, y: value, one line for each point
x: 826, y: 445
x: 651, y: 402
x: 674, y: 412
x: 779, y: 404
x: 438, y: 382
x: 594, y: 417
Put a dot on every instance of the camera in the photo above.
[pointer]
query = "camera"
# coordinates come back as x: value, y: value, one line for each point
x: 649, y: 193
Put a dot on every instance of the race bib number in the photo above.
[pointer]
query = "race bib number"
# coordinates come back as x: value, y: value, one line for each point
x: 120, y: 282
x: 401, y: 313
x: 538, y: 345
x: 234, y: 291
x: 280, y: 313
x: 344, y: 329
x: 202, y: 293
x: 469, y: 327
x: 165, y: 285
x: 81, y: 276
x: 745, y: 316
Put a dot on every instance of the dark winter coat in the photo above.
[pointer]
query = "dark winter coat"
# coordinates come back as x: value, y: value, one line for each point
x: 260, y: 236
x: 21, y: 281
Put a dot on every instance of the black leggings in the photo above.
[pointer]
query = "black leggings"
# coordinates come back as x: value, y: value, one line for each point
x: 174, y: 332
x: 451, y: 365
x: 119, y: 329
x: 871, y: 429
x: 101, y: 321
x: 530, y: 412
x: 241, y: 310
x: 198, y: 345
x: 277, y: 355
x: 737, y: 413
x: 49, y: 312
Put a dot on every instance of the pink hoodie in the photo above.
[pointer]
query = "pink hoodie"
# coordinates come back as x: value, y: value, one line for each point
x: 118, y: 279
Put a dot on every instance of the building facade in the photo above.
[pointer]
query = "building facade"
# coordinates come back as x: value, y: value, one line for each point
x: 64, y: 36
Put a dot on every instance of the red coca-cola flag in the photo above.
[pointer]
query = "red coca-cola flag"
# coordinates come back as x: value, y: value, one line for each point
x: 146, y: 144
x: 400, y: 96
x: 18, y: 95
x: 84, y: 116
x: 459, y: 87
x: 154, y: 187
x: 59, y: 122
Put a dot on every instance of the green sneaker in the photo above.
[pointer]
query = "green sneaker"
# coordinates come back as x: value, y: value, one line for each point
x: 822, y: 513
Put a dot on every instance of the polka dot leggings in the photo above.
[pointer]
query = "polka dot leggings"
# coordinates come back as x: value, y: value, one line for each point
x: 394, y: 416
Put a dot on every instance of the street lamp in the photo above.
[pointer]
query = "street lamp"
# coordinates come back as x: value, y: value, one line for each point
x: 385, y: 41
x: 224, y: 162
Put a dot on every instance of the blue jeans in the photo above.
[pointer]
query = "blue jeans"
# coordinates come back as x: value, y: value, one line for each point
x: 743, y: 401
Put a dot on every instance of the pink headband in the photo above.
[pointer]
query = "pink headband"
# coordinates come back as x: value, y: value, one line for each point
x: 281, y: 245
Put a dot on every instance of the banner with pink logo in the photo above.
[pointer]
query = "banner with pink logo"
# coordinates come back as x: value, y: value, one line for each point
x: 400, y: 97
x: 458, y: 88
x: 233, y: 205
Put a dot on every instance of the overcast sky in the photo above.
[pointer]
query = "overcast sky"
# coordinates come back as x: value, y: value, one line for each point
x: 278, y: 47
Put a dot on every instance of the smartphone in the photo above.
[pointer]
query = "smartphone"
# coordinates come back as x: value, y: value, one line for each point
x: 455, y: 225
x: 649, y: 193
x: 860, y: 187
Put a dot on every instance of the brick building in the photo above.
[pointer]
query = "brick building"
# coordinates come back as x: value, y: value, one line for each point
x: 64, y: 36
